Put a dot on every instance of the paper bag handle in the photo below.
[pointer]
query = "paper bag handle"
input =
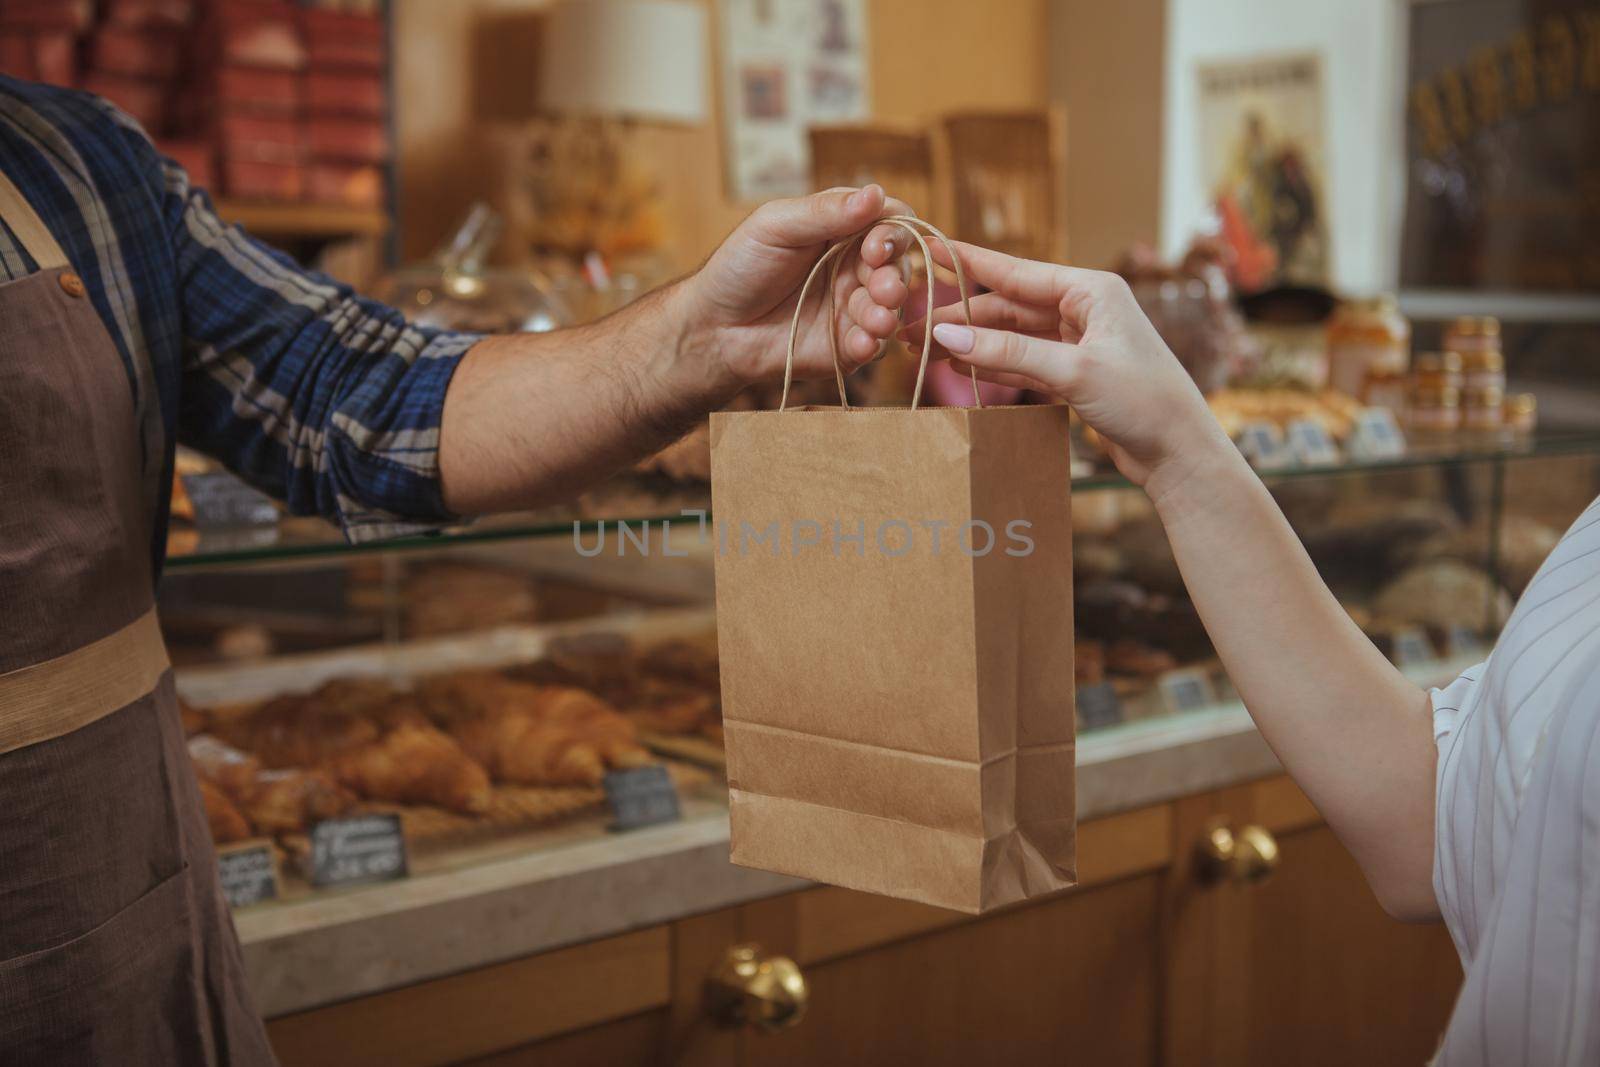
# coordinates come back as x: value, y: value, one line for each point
x: 836, y: 255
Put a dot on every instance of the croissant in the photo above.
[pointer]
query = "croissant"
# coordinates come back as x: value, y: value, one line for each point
x: 522, y: 751
x: 672, y: 707
x: 298, y: 731
x: 226, y: 820
x: 691, y: 660
x: 371, y: 739
x: 414, y: 763
x: 528, y: 734
x: 222, y: 765
x: 288, y: 801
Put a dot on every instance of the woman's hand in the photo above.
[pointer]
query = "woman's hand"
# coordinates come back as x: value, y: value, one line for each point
x: 1354, y: 733
x: 1080, y: 335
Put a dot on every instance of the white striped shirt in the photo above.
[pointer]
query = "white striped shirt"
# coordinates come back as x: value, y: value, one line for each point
x: 1517, y: 850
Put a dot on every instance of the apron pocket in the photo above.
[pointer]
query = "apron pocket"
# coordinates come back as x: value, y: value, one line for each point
x: 119, y: 993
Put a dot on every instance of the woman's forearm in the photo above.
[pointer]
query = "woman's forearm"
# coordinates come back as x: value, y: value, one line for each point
x: 1350, y: 728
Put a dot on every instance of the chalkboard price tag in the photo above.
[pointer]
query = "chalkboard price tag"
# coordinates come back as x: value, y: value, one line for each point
x: 248, y: 872
x: 1377, y: 436
x: 641, y: 796
x: 1187, y: 689
x: 1310, y: 444
x: 1098, y: 706
x: 361, y: 848
x: 1264, y: 447
x: 221, y: 500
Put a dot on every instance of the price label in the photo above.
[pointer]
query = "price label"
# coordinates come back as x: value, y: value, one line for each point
x: 641, y: 796
x: 1098, y: 706
x: 362, y: 848
x: 221, y: 500
x: 1187, y: 689
x: 1412, y: 647
x: 1376, y: 436
x: 1264, y: 447
x: 1310, y: 444
x: 248, y: 872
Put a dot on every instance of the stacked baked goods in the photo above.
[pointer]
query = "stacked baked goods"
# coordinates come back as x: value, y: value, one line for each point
x: 452, y: 742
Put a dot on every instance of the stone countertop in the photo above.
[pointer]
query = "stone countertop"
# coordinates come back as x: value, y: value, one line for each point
x: 587, y: 884
x: 333, y: 946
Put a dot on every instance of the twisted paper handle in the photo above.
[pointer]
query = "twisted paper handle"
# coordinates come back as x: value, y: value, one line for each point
x: 833, y: 258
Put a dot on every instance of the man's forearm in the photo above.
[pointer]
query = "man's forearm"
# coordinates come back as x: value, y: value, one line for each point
x: 1349, y: 727
x: 533, y: 418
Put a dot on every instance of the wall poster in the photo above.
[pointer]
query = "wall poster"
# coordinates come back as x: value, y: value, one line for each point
x: 1263, y: 158
x: 787, y: 65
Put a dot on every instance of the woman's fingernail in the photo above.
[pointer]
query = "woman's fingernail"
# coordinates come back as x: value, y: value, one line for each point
x: 955, y: 338
x: 855, y: 199
x: 888, y: 249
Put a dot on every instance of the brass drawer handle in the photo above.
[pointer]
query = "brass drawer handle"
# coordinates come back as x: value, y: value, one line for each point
x: 750, y: 988
x: 1244, y: 856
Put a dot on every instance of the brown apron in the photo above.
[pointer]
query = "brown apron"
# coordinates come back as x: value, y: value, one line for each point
x: 116, y: 945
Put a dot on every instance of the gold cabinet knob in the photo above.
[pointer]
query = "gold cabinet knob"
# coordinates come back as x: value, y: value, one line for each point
x: 750, y: 988
x: 1244, y: 856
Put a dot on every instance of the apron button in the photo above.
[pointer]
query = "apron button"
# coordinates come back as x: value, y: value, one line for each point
x: 71, y: 284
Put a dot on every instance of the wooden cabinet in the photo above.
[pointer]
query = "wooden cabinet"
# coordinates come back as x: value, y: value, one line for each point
x: 1147, y: 962
x: 1305, y: 960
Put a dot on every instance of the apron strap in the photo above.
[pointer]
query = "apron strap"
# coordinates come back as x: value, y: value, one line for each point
x: 61, y: 695
x: 29, y: 227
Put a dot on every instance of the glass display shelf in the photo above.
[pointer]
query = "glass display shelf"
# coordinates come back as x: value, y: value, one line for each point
x: 645, y: 502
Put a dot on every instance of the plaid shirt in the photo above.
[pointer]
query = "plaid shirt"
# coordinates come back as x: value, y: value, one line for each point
x: 323, y: 399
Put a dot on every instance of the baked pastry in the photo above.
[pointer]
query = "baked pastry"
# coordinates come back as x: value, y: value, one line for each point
x: 287, y: 801
x: 221, y: 764
x: 227, y: 822
x: 672, y: 707
x: 371, y: 738
x: 528, y: 734
x: 691, y: 660
x: 298, y: 731
x: 451, y: 597
x: 194, y: 719
x: 414, y: 763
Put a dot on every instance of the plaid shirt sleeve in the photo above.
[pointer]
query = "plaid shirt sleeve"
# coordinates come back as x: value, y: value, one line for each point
x: 324, y: 399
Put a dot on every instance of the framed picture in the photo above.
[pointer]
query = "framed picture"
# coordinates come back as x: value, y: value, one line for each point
x: 787, y: 64
x: 1263, y: 161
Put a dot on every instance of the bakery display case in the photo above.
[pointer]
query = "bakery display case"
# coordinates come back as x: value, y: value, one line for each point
x: 413, y: 738
x: 478, y: 685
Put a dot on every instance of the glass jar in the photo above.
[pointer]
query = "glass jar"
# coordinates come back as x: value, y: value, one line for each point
x: 1362, y: 334
x: 1482, y: 407
x: 1384, y: 387
x: 1434, y: 409
x: 1437, y: 370
x: 457, y: 290
x: 1476, y: 339
x: 1521, y: 413
x: 1473, y: 333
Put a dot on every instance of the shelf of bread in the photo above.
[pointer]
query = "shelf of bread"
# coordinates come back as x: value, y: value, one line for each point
x: 470, y: 740
x: 289, y: 219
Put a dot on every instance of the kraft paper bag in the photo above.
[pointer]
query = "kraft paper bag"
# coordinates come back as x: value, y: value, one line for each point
x: 894, y: 616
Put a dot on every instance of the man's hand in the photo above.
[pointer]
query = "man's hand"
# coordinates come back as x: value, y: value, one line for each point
x: 736, y: 309
x: 532, y: 418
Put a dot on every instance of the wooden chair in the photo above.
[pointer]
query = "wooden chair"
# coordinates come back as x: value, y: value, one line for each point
x: 897, y: 158
x: 1005, y: 171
